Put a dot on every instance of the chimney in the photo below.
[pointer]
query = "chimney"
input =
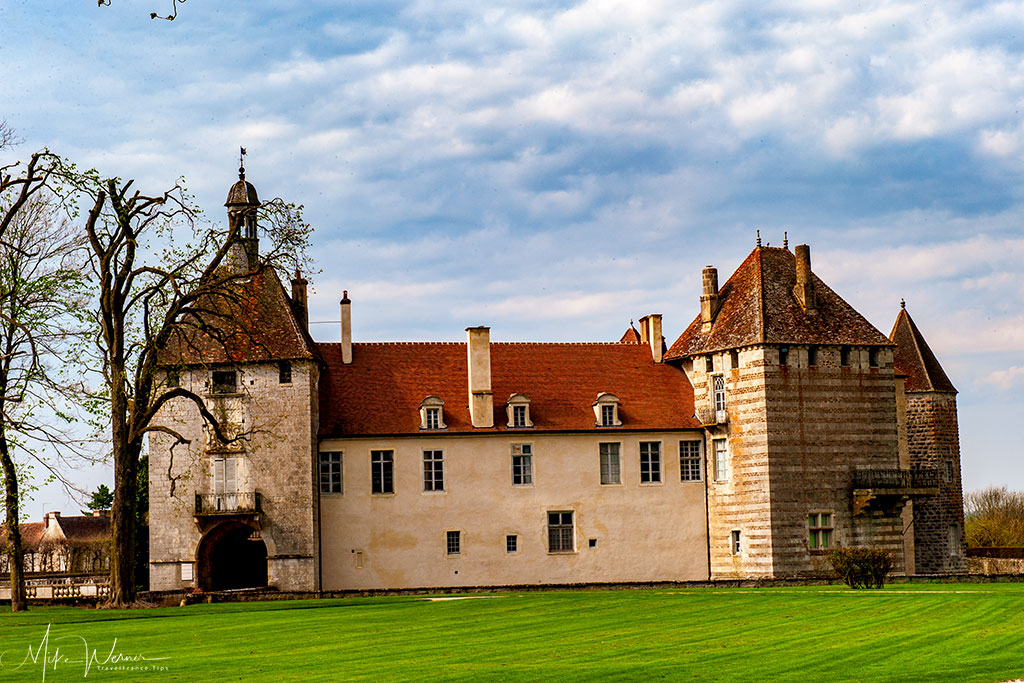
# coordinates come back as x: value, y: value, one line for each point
x: 48, y: 516
x: 709, y: 301
x: 804, y: 289
x: 346, y: 329
x: 299, y: 299
x: 650, y: 333
x: 481, y: 400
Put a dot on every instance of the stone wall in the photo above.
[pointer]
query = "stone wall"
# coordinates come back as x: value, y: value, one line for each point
x: 934, y: 442
x: 274, y: 459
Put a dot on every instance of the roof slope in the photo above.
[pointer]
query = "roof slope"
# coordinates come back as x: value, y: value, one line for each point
x: 253, y: 321
x: 758, y: 307
x: 913, y: 358
x: 381, y: 391
x: 91, y: 528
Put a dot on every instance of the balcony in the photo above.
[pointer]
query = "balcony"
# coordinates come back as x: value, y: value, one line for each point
x: 709, y: 417
x: 889, y: 489
x: 239, y: 503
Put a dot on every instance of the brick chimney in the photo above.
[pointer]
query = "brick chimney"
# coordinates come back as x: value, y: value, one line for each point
x: 299, y: 299
x: 481, y: 399
x: 650, y: 333
x: 709, y: 299
x: 804, y: 289
x: 346, y: 329
x: 48, y: 516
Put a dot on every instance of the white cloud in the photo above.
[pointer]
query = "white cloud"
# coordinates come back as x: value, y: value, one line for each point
x: 1004, y: 379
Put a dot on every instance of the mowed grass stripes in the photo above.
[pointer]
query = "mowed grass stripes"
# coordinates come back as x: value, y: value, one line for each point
x: 917, y: 632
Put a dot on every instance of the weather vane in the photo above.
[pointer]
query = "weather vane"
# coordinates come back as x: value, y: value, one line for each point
x: 241, y: 163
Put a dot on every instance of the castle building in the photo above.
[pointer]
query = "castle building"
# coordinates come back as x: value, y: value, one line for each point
x: 780, y: 424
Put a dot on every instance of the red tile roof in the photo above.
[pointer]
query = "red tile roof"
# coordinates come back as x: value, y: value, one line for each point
x: 913, y: 358
x: 381, y: 391
x: 758, y: 307
x: 31, y: 535
x: 631, y: 336
x: 255, y: 322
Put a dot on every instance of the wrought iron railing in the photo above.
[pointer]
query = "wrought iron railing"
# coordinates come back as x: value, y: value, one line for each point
x: 228, y: 503
x: 917, y: 478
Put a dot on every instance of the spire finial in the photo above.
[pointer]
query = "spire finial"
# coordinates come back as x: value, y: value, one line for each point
x: 903, y: 304
x: 241, y: 163
x: 785, y: 239
x: 758, y: 238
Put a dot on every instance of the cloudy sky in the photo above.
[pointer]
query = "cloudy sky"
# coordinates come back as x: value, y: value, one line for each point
x: 553, y: 169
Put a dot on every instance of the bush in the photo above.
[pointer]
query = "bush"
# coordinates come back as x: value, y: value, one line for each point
x: 861, y: 567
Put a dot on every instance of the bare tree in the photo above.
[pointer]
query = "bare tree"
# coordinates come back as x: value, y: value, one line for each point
x: 149, y: 300
x: 994, y: 517
x: 42, y: 308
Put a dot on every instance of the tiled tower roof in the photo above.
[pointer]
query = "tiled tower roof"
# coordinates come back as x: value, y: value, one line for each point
x: 915, y: 359
x: 758, y: 306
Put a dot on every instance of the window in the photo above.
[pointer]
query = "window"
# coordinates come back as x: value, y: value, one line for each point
x: 453, y: 541
x: 433, y: 470
x: 954, y: 540
x: 718, y: 397
x: 606, y: 410
x: 518, y: 411
x: 948, y: 470
x: 721, y: 460
x: 650, y: 462
x: 709, y: 364
x: 560, y: 532
x: 783, y: 355
x: 689, y: 461
x: 844, y: 356
x: 610, y: 472
x: 330, y: 472
x: 819, y: 525
x: 173, y: 378
x: 382, y: 471
x: 734, y: 359
x: 812, y: 355
x: 734, y: 542
x: 284, y: 372
x: 432, y: 413
x: 225, y: 483
x: 511, y: 543
x: 522, y: 464
x: 873, y: 357
x: 518, y: 416
x: 225, y: 382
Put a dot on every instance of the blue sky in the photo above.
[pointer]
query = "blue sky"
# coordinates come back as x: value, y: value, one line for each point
x: 554, y: 169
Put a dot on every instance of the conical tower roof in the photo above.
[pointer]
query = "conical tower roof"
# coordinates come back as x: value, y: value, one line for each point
x: 915, y: 359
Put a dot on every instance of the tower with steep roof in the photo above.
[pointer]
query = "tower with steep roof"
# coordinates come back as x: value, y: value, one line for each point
x: 797, y: 396
x: 933, y: 443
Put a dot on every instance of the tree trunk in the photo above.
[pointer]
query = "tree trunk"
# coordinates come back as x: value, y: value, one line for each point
x: 15, y: 550
x: 126, y: 465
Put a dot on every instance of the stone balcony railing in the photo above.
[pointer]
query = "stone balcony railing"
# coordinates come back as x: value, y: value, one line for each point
x: 708, y: 416
x: 896, y: 479
x: 241, y: 502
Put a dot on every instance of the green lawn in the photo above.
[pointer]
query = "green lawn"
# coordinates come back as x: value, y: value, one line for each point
x: 906, y: 632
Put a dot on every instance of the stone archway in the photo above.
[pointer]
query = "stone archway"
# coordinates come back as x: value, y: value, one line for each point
x: 229, y: 557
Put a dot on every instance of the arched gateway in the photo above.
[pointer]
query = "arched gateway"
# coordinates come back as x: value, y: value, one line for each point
x: 232, y: 555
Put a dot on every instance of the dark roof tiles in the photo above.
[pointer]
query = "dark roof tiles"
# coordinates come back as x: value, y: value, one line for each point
x: 758, y: 307
x: 913, y: 357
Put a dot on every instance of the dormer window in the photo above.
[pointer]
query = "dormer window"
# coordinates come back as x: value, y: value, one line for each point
x: 606, y: 410
x: 432, y: 413
x: 225, y: 382
x: 518, y: 410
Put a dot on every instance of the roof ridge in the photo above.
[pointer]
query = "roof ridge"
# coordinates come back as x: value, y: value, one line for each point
x: 493, y: 343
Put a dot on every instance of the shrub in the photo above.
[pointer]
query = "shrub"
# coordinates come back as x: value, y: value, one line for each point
x: 861, y: 567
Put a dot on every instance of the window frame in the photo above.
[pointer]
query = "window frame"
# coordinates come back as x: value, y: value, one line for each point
x: 820, y: 530
x: 523, y: 471
x: 718, y: 396
x: 564, y: 541
x: 432, y: 414
x: 948, y: 471
x: 332, y: 480
x: 433, y: 470
x: 517, y: 410
x: 606, y: 469
x: 221, y: 388
x: 606, y: 411
x: 382, y: 483
x: 453, y: 542
x: 690, y: 464
x: 722, y: 464
x: 284, y: 372
x: 783, y: 355
x: 511, y: 544
x: 651, y: 465
x: 736, y: 542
